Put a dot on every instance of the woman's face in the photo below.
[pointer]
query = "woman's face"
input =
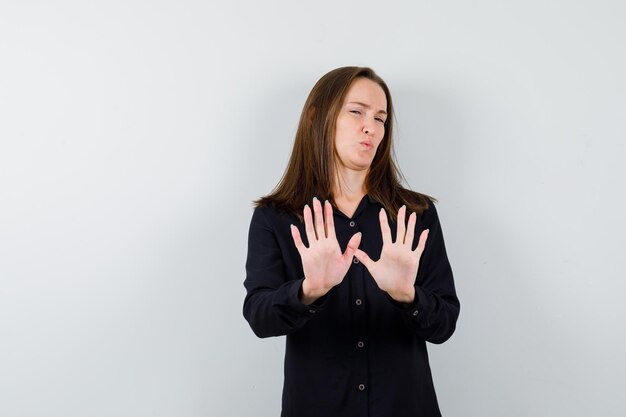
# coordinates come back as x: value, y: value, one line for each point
x: 360, y: 124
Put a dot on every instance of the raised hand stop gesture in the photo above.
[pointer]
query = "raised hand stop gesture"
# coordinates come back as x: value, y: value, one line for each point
x: 323, y: 263
x: 396, y: 270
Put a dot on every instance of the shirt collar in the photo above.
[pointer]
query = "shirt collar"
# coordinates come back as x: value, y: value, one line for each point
x: 363, y: 204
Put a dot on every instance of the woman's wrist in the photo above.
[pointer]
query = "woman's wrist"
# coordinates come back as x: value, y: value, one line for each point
x: 404, y: 296
x: 308, y: 295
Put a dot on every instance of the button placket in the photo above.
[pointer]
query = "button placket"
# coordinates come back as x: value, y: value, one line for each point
x: 357, y: 284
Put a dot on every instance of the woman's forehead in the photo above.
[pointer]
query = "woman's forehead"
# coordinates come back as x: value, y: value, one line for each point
x: 365, y: 91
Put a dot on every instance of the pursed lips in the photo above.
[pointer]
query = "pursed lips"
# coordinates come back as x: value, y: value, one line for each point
x: 367, y: 144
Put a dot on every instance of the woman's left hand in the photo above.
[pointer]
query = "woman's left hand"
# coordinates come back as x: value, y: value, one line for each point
x: 396, y: 270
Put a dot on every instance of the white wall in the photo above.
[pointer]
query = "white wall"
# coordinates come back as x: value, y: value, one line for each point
x: 134, y: 134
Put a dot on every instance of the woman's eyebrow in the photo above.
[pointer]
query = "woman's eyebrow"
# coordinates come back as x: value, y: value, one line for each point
x: 367, y: 106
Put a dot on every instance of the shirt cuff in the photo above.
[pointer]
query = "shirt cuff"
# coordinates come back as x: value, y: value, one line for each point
x: 295, y: 302
x: 414, y: 308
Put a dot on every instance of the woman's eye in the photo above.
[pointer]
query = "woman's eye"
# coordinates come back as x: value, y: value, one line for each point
x: 355, y: 111
x: 380, y: 120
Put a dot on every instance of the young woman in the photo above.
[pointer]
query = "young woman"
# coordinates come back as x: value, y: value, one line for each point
x: 356, y: 327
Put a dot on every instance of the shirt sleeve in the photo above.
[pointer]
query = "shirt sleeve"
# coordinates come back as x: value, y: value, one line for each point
x: 272, y: 304
x: 434, y: 312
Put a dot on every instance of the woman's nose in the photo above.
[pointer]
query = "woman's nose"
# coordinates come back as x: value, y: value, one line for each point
x: 369, y: 126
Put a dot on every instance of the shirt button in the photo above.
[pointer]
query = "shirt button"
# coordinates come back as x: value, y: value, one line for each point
x: 356, y: 261
x: 358, y: 301
x: 352, y: 224
x: 415, y: 313
x: 360, y: 344
x: 361, y: 387
x: 312, y: 311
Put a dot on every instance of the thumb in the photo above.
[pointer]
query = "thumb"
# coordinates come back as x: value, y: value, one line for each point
x: 353, y: 244
x: 364, y: 258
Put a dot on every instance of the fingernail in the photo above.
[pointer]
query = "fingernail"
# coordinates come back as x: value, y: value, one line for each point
x: 314, y: 198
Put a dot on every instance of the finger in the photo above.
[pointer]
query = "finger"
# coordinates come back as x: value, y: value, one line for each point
x: 364, y: 258
x: 319, y: 219
x: 421, y: 245
x: 295, y: 234
x: 410, y: 230
x: 384, y: 227
x: 330, y: 222
x: 401, y: 226
x: 308, y: 225
x: 353, y: 245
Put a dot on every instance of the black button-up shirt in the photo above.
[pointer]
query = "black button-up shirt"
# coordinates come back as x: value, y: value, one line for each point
x: 355, y: 351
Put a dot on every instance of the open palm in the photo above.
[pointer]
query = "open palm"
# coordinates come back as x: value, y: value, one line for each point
x: 323, y: 263
x: 396, y: 270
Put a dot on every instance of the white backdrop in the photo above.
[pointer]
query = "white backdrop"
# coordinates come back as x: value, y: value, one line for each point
x: 134, y: 135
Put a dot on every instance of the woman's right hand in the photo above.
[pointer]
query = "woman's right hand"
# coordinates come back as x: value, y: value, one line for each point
x: 323, y: 263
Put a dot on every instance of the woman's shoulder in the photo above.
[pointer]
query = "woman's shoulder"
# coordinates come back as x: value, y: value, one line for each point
x: 269, y: 212
x: 416, y: 196
x: 418, y: 202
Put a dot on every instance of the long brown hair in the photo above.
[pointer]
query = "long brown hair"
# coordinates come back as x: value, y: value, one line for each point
x: 311, y: 168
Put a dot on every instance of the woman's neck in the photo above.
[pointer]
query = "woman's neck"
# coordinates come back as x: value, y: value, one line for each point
x: 349, y: 185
